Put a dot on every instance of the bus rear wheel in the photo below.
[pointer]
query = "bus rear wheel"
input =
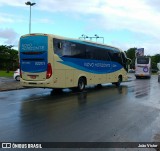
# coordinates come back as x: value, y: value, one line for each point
x: 81, y: 84
x: 119, y: 81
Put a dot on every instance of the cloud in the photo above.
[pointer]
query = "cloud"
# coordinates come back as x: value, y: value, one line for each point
x: 6, y: 18
x: 83, y: 6
x: 9, y: 36
x: 12, y: 2
x: 44, y: 21
x: 139, y: 17
x: 154, y: 4
x: 135, y: 15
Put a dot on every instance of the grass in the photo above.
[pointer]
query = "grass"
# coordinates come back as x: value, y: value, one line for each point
x: 5, y: 74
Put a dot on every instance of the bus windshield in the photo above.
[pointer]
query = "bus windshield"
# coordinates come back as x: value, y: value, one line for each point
x: 142, y: 60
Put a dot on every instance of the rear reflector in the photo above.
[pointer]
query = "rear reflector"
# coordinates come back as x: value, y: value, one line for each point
x: 49, y: 71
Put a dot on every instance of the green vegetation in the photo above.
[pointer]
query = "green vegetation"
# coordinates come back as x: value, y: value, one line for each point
x: 8, y: 58
x: 5, y: 74
x: 131, y: 54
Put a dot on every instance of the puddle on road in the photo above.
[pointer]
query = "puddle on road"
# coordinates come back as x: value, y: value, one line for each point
x: 3, y: 98
x: 156, y: 130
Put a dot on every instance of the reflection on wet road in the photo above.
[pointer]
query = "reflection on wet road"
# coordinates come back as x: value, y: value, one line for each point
x: 126, y: 114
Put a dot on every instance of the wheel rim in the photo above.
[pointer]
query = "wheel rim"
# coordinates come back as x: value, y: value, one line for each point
x: 18, y: 78
x: 81, y: 85
x: 119, y: 80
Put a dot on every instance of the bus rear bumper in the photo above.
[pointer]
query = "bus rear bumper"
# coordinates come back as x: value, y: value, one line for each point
x: 142, y: 75
x: 37, y: 84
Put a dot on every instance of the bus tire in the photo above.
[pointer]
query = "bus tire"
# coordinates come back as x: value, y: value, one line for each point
x: 58, y: 90
x: 149, y: 77
x: 81, y: 84
x: 119, y: 81
x: 17, y: 78
x: 98, y: 86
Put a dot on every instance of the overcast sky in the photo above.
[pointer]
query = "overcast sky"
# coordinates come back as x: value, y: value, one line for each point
x: 122, y: 23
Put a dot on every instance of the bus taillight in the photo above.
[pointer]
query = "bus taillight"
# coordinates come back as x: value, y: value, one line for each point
x: 49, y: 71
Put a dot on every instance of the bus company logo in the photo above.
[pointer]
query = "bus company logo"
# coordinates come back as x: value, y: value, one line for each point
x: 145, y: 69
x: 6, y: 145
x: 32, y: 47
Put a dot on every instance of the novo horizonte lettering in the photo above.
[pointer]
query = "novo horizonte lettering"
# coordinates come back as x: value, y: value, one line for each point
x: 102, y: 65
x: 31, y: 47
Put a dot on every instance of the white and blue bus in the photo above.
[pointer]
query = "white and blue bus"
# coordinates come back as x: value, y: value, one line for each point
x: 50, y: 61
x: 143, y: 67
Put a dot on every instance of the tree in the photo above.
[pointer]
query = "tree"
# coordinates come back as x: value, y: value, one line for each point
x: 8, y: 58
x: 131, y: 54
x: 155, y: 59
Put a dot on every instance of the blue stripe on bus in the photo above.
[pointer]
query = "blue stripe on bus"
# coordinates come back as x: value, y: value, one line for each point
x: 92, y: 66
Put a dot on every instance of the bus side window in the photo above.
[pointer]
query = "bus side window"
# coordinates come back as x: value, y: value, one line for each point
x: 78, y: 50
x: 66, y: 49
x: 57, y: 46
x: 89, y: 53
x: 111, y: 54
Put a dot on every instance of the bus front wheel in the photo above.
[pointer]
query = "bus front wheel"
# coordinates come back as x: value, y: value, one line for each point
x: 81, y: 84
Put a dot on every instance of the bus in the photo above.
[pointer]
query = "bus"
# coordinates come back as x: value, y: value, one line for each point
x: 143, y: 67
x: 51, y: 61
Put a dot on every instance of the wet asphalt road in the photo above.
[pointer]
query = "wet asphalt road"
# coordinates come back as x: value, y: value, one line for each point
x: 130, y: 113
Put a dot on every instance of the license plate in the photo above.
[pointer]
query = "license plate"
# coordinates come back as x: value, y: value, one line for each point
x: 33, y: 76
